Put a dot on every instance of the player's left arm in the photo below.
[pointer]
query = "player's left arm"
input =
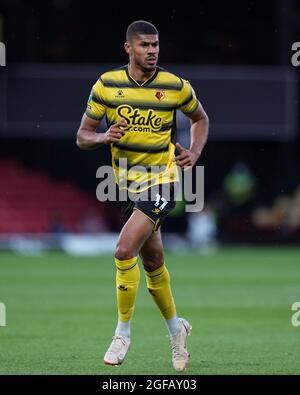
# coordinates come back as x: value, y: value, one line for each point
x: 199, y: 132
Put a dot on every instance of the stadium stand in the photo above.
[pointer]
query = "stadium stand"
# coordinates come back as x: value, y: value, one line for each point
x: 31, y: 202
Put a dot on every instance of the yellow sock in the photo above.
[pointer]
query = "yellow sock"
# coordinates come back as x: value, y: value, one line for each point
x: 158, y: 283
x: 127, y: 282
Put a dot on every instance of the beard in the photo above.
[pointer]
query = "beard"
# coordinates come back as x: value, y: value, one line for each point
x: 149, y: 67
x: 146, y: 68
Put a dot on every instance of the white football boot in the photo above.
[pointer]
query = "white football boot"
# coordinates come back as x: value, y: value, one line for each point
x: 117, y: 351
x: 180, y: 355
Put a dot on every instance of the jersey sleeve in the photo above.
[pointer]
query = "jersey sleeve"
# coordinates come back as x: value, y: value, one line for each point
x: 96, y: 108
x: 188, y: 101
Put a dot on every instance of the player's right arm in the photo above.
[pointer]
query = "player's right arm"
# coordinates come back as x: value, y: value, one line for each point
x: 88, y: 138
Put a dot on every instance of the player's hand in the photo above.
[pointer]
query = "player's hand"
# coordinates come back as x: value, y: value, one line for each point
x: 185, y: 157
x: 114, y: 133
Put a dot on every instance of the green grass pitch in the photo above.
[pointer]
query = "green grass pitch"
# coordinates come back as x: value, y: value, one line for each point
x: 61, y: 314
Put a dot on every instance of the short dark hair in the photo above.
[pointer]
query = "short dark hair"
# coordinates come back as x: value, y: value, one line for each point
x: 140, y: 27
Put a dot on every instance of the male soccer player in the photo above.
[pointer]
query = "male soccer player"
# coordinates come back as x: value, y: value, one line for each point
x: 139, y: 102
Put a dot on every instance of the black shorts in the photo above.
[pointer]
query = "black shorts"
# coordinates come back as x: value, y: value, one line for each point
x: 156, y: 203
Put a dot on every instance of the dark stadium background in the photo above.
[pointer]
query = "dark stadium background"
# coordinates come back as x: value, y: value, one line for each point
x: 237, y: 55
x: 71, y: 39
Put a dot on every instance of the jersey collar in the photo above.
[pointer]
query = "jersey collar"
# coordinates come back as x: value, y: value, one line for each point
x: 145, y: 83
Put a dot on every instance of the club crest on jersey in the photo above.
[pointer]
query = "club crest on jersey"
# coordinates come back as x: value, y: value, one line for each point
x: 160, y: 95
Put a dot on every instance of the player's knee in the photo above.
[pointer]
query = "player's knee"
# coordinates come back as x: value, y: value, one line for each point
x: 124, y: 252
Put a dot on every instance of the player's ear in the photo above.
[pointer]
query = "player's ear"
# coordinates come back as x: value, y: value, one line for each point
x: 127, y: 47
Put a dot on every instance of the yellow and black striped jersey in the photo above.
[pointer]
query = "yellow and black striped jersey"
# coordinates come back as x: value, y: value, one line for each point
x: 149, y: 109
